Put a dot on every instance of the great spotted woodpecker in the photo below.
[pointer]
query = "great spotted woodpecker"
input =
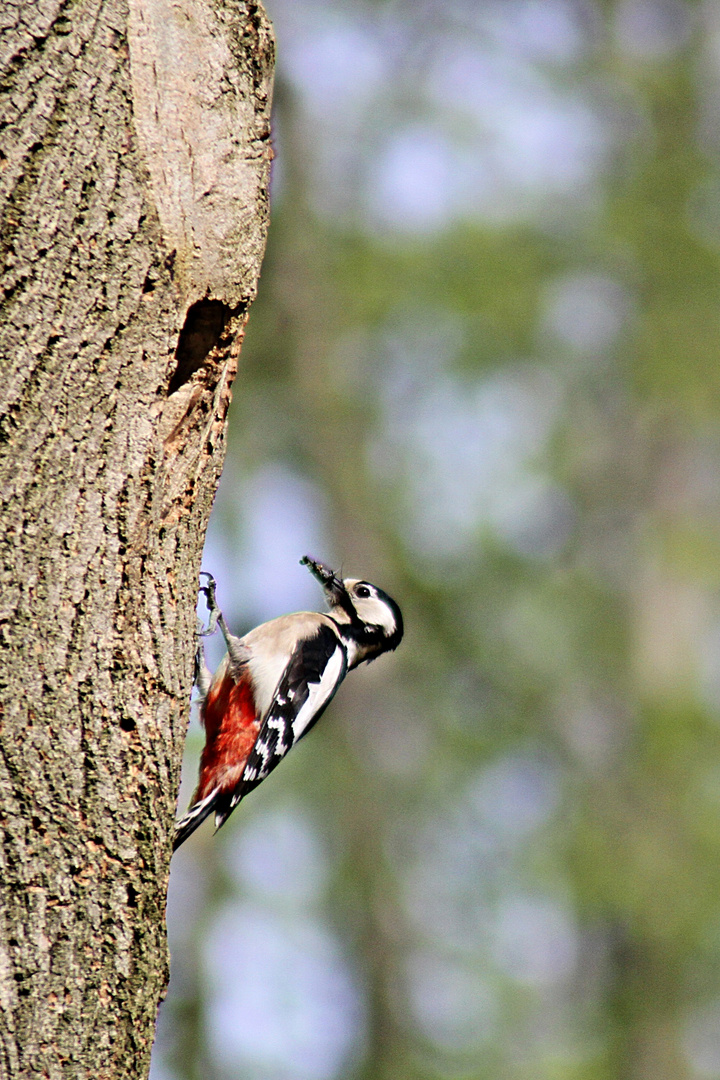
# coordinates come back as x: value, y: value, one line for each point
x: 275, y: 682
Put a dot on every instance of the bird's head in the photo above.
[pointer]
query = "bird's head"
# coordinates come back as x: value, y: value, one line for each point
x: 366, y: 614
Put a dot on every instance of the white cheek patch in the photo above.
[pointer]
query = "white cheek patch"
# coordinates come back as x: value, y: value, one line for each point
x: 376, y: 613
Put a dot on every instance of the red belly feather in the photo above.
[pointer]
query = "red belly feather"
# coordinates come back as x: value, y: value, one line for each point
x: 231, y: 726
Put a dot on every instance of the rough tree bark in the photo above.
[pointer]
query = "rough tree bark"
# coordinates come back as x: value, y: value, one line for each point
x: 134, y: 159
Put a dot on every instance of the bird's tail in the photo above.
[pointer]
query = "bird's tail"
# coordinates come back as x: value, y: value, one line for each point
x: 195, y: 816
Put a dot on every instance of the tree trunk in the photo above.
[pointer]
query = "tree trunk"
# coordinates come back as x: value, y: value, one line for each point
x: 134, y: 166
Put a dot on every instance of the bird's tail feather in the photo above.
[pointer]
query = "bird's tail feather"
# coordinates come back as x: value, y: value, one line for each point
x: 194, y: 817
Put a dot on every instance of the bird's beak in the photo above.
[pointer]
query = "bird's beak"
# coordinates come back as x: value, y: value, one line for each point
x: 331, y: 583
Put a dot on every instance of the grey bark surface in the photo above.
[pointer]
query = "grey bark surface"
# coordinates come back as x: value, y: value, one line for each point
x: 134, y: 161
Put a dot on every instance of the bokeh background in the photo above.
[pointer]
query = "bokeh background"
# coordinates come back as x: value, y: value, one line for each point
x: 483, y: 371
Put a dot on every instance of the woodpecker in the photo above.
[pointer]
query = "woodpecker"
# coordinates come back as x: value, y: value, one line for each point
x: 274, y: 683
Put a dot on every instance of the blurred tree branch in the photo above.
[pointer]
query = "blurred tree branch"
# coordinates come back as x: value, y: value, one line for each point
x: 135, y: 160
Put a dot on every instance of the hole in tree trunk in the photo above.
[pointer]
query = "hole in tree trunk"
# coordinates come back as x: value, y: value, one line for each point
x: 204, y: 324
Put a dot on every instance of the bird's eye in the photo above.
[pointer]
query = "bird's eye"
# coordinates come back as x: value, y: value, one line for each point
x: 362, y: 591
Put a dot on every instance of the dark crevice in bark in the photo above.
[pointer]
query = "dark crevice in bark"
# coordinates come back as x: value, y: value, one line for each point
x: 204, y: 325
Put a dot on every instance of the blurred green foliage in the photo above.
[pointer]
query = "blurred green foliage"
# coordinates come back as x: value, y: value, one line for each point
x: 513, y: 422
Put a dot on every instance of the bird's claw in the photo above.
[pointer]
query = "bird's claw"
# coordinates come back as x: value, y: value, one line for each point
x: 208, y: 591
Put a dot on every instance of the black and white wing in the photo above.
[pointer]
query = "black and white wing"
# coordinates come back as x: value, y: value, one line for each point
x: 305, y: 690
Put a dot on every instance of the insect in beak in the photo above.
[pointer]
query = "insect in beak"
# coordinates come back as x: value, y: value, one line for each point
x: 331, y: 583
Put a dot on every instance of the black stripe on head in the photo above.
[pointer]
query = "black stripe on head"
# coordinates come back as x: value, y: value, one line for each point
x: 394, y: 640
